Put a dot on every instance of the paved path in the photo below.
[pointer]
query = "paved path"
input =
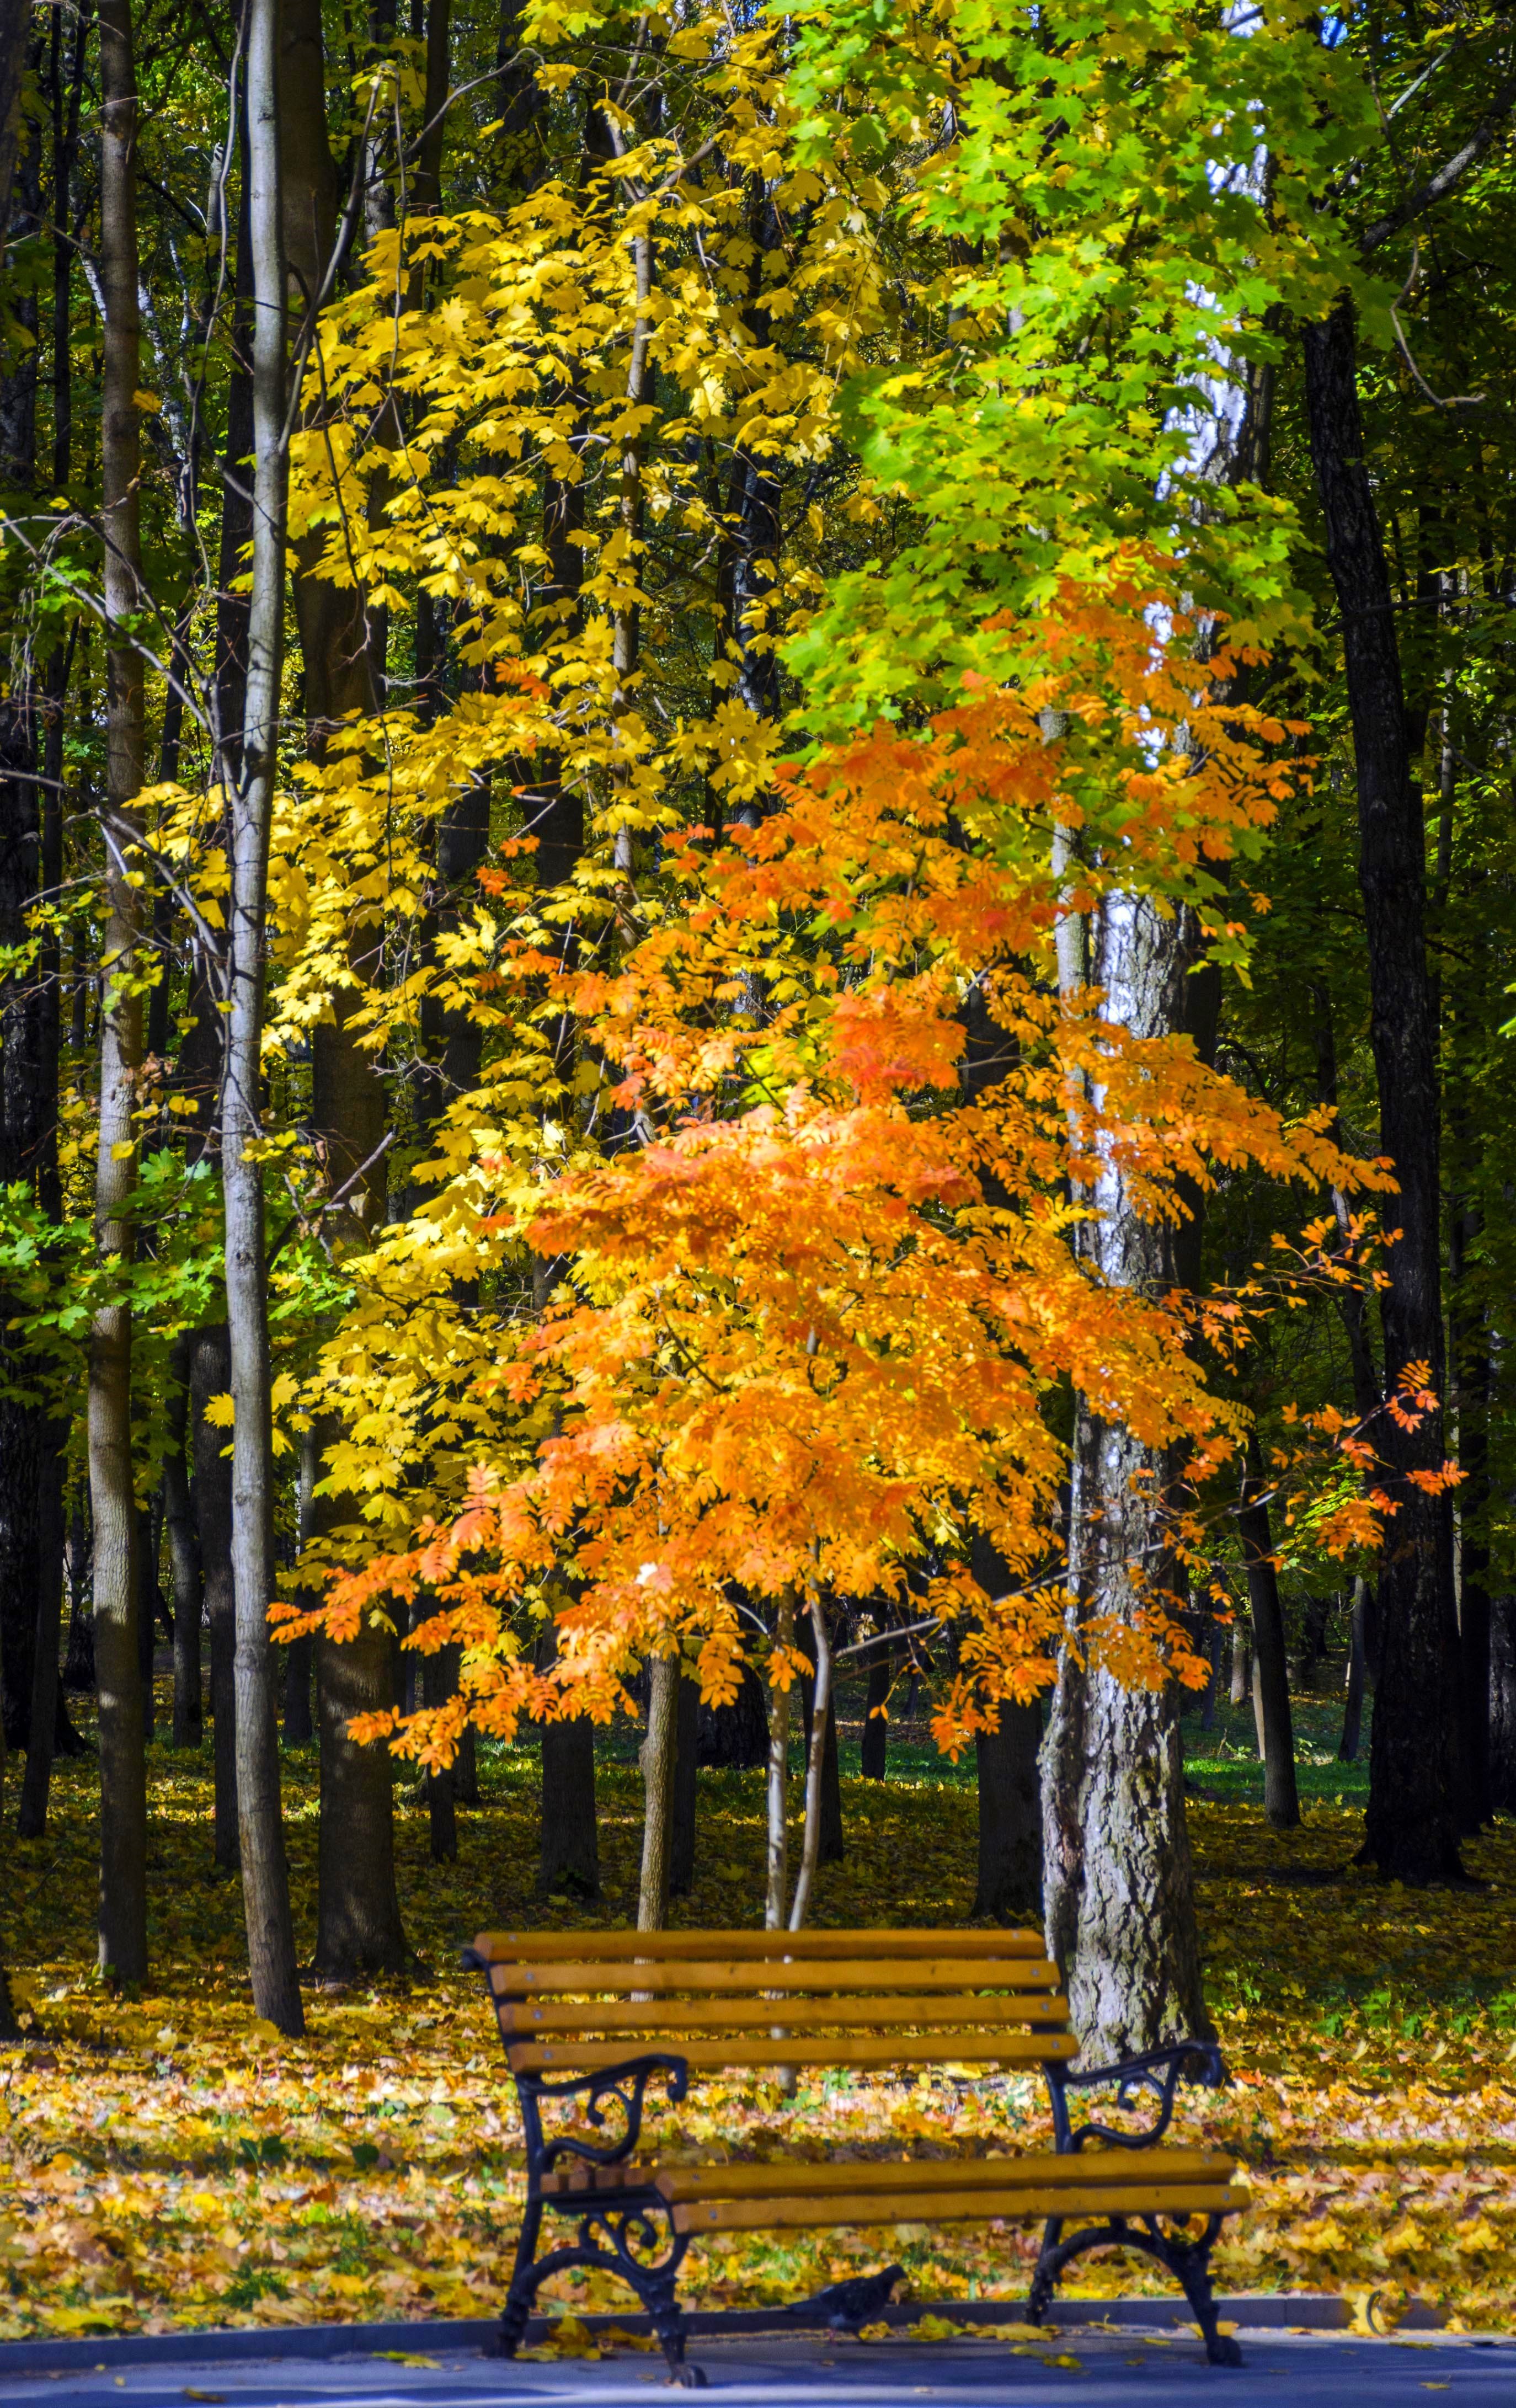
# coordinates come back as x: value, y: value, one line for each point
x: 1320, y: 2370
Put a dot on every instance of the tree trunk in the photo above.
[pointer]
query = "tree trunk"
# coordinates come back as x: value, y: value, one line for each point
x: 1272, y: 1670
x: 822, y: 1727
x: 1412, y: 1830
x: 210, y: 1373
x: 266, y: 1883
x: 124, y: 1905
x: 686, y: 1790
x: 466, y: 1773
x: 734, y: 1738
x: 1118, y: 1882
x: 1472, y: 1372
x: 183, y: 1550
x: 1241, y: 1683
x: 659, y: 1750
x: 15, y: 15
x: 79, y: 1664
x: 146, y: 1619
x: 9, y: 2028
x: 568, y: 1862
x: 357, y: 1926
x: 831, y: 1843
x: 1503, y: 1702
x: 300, y: 1653
x: 776, y: 1890
x: 1009, y: 1883
x: 1011, y: 1837
x: 1353, y: 1708
x: 47, y: 1711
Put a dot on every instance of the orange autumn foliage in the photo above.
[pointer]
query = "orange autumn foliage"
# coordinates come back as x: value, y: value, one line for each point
x: 819, y: 1310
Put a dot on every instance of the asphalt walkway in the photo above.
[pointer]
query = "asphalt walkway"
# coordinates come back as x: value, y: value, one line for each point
x: 1079, y: 2371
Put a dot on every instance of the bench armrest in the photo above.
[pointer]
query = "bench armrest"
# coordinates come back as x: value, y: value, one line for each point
x: 1159, y: 2070
x: 625, y: 2084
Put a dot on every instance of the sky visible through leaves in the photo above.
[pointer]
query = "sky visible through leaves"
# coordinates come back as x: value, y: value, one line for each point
x: 167, y: 2161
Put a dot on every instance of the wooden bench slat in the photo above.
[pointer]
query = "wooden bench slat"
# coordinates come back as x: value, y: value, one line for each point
x: 526, y: 2018
x: 707, y: 1980
x: 953, y: 2048
x: 1102, y: 2169
x: 524, y: 1948
x: 949, y: 2206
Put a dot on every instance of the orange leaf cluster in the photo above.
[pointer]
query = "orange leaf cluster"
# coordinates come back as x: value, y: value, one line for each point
x: 816, y: 1315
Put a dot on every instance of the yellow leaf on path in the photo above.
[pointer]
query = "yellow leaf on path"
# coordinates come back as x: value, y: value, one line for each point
x: 190, y: 2393
x: 405, y: 2357
x: 1076, y: 2365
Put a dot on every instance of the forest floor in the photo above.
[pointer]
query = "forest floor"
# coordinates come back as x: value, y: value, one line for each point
x: 167, y: 2160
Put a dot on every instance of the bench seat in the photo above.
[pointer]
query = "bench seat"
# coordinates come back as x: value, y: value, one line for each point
x: 940, y: 2190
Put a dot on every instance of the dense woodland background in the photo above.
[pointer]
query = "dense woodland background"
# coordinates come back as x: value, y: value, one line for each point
x: 634, y: 371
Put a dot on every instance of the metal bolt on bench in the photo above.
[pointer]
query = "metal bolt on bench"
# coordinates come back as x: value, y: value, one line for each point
x: 571, y: 2004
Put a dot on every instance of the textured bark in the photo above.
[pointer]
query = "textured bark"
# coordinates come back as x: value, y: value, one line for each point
x: 1117, y: 1882
x: 122, y: 1917
x: 210, y: 1374
x: 1272, y: 1670
x: 659, y: 1750
x: 686, y: 1790
x: 1411, y: 1828
x: 1503, y: 1702
x: 568, y: 1862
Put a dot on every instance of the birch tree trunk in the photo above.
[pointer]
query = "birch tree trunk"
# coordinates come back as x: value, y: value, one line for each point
x: 1118, y: 1882
x: 821, y: 1725
x: 123, y: 1906
x: 777, y: 1890
x: 265, y: 1884
x: 1118, y: 1878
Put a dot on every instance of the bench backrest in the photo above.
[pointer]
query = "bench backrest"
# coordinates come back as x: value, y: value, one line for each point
x: 574, y: 2002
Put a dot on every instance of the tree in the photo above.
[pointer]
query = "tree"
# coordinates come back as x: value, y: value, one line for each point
x: 1412, y: 1831
x: 124, y: 1930
x: 266, y: 1885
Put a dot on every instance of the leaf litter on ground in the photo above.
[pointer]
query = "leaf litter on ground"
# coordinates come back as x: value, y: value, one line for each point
x: 168, y: 2163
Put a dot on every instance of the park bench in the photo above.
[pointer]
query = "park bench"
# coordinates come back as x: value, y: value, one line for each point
x: 590, y: 2018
